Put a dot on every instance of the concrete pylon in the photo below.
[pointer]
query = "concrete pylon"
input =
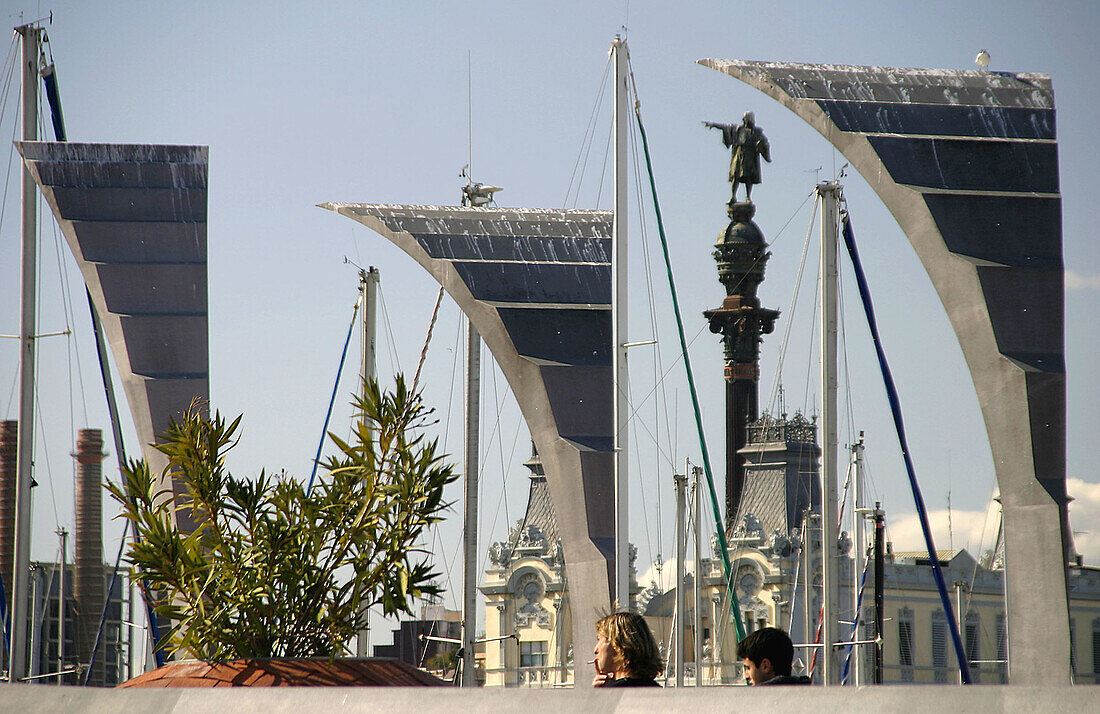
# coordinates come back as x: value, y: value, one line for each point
x: 536, y: 283
x: 134, y: 216
x: 967, y: 162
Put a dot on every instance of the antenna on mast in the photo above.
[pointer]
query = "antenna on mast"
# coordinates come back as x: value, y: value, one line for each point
x: 473, y: 193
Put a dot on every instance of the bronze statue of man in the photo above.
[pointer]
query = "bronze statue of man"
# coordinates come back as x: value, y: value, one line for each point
x: 748, y: 144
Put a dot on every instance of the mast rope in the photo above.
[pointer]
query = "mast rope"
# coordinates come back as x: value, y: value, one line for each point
x: 850, y: 649
x: 735, y: 607
x: 899, y: 426
x: 427, y: 340
x: 336, y: 387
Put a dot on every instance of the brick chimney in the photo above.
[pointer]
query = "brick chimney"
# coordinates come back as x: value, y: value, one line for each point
x: 9, y: 440
x: 89, y: 586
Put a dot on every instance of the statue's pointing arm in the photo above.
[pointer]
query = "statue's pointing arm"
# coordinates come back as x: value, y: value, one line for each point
x: 729, y: 132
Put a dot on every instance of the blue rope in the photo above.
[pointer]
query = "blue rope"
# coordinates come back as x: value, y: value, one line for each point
x: 332, y: 399
x: 855, y: 624
x: 895, y: 410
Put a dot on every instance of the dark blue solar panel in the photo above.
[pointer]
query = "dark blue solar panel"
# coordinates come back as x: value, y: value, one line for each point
x: 1027, y: 314
x: 1008, y: 230
x: 905, y: 87
x: 537, y: 282
x: 966, y: 164
x: 515, y: 248
x: 941, y: 120
x: 580, y: 337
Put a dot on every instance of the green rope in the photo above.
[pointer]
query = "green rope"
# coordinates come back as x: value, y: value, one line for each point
x: 735, y: 608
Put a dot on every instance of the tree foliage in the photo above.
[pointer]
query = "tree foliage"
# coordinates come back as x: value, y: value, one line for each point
x: 274, y: 570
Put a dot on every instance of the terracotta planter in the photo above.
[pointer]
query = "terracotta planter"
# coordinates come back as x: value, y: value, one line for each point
x: 321, y: 672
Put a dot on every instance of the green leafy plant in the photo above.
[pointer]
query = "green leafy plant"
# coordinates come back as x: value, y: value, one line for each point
x: 274, y: 570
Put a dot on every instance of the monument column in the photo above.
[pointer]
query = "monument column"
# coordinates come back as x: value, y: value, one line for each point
x: 741, y: 254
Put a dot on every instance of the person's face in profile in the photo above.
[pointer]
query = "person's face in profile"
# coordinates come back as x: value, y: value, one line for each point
x: 607, y: 657
x: 757, y: 673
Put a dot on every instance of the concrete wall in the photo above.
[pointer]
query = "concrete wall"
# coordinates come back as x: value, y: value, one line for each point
x: 30, y: 699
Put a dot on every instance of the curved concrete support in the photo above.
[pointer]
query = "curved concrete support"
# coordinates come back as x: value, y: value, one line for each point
x: 537, y: 285
x: 967, y: 164
x: 134, y: 216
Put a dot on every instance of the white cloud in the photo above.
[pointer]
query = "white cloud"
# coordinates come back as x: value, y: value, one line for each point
x: 975, y: 530
x: 1084, y: 518
x: 668, y: 574
x: 1074, y: 281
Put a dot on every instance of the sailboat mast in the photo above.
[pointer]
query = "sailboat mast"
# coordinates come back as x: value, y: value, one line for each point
x: 619, y: 330
x: 17, y: 662
x: 859, y: 514
x: 828, y: 192
x: 368, y: 285
x: 469, y: 529
x: 678, y: 629
x: 368, y: 359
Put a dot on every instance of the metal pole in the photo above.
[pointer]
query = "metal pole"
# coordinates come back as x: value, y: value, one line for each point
x: 698, y: 629
x: 64, y: 534
x: 469, y: 527
x: 17, y: 662
x: 368, y: 289
x: 368, y: 285
x: 807, y: 579
x: 960, y: 586
x: 619, y: 331
x: 36, y: 622
x: 860, y: 554
x: 880, y: 587
x: 680, y: 483
x: 828, y: 191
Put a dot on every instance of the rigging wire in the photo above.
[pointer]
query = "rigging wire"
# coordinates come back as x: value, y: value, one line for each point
x: 395, y: 359
x: 895, y: 410
x: 655, y: 361
x: 721, y: 532
x: 586, y: 140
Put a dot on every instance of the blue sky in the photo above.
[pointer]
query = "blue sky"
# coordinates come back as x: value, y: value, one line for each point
x: 302, y: 103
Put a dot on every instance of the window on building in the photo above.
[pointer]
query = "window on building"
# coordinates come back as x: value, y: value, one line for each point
x: 1002, y: 648
x: 905, y: 644
x: 1096, y: 651
x: 1073, y: 645
x: 868, y: 630
x: 532, y: 654
x: 973, y: 645
x: 939, y: 646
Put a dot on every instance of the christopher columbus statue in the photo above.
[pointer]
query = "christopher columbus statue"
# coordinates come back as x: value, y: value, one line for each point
x: 749, y: 144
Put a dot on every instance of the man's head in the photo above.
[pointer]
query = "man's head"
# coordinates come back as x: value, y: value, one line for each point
x: 766, y: 654
x: 749, y: 119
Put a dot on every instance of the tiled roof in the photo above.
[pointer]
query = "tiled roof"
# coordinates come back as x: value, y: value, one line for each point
x: 375, y: 672
x: 941, y: 555
x: 540, y: 509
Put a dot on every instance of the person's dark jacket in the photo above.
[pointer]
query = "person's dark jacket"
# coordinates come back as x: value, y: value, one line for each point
x: 787, y: 679
x: 631, y: 682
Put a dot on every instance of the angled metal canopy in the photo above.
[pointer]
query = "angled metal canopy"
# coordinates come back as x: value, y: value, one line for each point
x: 134, y: 216
x: 536, y: 283
x: 967, y: 162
